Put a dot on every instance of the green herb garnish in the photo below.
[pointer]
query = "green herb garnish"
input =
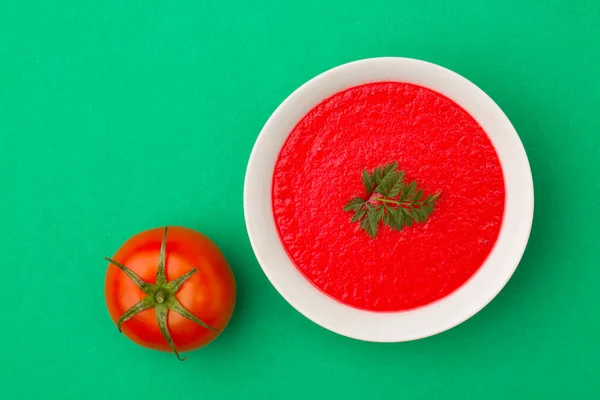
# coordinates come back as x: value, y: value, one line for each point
x: 390, y: 200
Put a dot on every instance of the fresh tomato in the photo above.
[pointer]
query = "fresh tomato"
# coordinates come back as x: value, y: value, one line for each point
x: 170, y: 289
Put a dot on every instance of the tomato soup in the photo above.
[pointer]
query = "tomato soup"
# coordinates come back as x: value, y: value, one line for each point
x: 435, y: 142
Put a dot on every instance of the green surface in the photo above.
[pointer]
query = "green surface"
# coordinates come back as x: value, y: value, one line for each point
x: 118, y: 116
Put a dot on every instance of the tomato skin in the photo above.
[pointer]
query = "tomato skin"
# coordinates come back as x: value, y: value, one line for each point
x: 209, y: 293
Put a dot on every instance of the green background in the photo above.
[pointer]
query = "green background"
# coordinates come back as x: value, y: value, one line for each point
x: 118, y: 116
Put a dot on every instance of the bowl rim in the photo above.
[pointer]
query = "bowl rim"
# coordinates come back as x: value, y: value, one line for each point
x: 432, y: 318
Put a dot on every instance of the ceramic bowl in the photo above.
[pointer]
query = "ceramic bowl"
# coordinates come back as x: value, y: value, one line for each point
x: 433, y: 318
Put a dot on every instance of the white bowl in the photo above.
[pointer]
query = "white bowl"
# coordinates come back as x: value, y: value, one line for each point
x: 428, y: 320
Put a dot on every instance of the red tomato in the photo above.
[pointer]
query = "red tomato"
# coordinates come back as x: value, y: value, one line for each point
x: 170, y: 290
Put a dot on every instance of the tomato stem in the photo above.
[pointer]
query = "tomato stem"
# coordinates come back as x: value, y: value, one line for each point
x: 160, y: 296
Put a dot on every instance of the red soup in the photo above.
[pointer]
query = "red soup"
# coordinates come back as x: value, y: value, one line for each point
x: 435, y: 142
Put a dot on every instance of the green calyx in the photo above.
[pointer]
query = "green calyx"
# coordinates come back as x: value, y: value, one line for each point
x: 160, y: 296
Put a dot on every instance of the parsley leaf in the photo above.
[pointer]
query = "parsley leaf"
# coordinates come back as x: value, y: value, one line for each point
x: 373, y: 220
x: 354, y: 205
x: 368, y: 181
